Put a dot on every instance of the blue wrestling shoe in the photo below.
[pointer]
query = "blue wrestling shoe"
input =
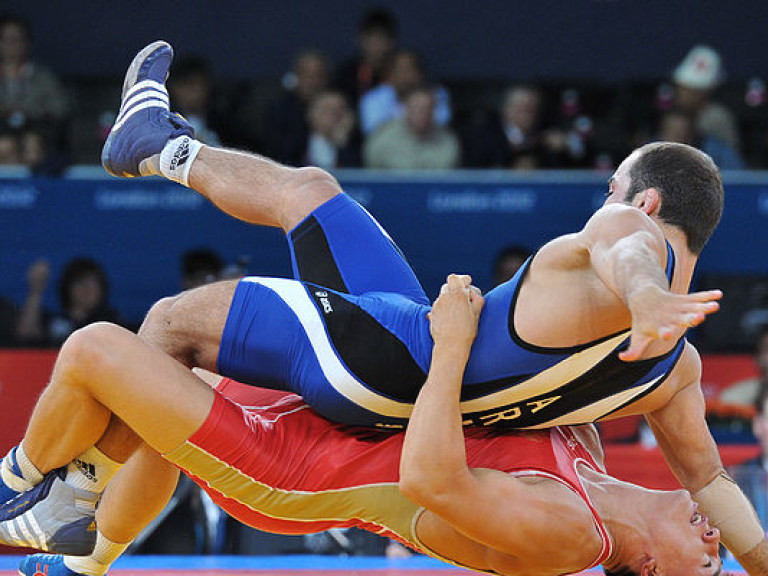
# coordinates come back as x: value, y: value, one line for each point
x: 53, y: 516
x: 11, y: 479
x: 144, y: 123
x: 45, y: 565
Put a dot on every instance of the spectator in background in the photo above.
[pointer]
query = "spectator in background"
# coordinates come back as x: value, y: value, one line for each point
x: 403, y: 71
x: 696, y: 79
x: 35, y: 151
x: 200, y: 266
x: 29, y: 92
x: 414, y: 142
x: 191, y: 88
x: 512, y: 137
x: 10, y: 155
x: 677, y: 126
x: 376, y: 39
x: 746, y: 392
x: 508, y: 261
x: 286, y: 131
x: 333, y: 142
x: 83, y: 297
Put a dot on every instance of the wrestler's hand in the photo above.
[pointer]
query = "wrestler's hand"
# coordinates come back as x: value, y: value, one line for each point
x: 661, y: 315
x: 455, y: 313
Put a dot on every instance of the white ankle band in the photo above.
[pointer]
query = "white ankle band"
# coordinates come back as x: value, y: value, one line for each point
x: 30, y: 475
x: 177, y: 157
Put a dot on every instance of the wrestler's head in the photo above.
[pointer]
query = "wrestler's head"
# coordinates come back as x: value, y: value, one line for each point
x: 676, y: 540
x: 686, y: 181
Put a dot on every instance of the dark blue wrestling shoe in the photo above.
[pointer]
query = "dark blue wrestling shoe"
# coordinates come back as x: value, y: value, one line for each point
x: 144, y: 123
x: 53, y: 516
x: 45, y: 565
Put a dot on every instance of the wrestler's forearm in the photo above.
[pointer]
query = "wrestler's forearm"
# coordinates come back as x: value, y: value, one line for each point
x: 433, y: 452
x: 755, y: 562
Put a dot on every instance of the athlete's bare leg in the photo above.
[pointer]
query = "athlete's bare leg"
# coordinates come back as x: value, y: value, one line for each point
x: 188, y: 327
x: 258, y: 190
x: 104, y: 370
x: 136, y: 495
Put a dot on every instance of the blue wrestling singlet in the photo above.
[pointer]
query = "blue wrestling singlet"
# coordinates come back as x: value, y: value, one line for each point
x: 350, y: 334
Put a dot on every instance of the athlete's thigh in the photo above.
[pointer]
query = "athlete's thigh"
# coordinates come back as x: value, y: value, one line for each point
x: 342, y: 247
x: 158, y: 398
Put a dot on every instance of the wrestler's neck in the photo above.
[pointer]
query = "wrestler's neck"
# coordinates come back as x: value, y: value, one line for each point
x: 685, y: 260
x: 623, y: 509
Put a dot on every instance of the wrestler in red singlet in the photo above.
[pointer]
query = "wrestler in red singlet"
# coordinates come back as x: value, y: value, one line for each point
x: 277, y: 466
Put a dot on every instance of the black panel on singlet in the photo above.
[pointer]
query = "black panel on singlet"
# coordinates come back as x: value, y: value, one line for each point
x: 371, y: 352
x: 607, y: 378
x: 314, y: 258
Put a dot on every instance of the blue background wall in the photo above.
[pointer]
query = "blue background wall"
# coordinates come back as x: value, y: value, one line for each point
x: 139, y: 228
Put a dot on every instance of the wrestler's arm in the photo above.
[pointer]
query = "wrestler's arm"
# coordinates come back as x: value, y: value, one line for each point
x: 483, y: 506
x: 687, y: 444
x: 627, y: 252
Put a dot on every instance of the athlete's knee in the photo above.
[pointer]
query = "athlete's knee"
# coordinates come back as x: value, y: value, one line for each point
x: 89, y: 352
x: 308, y: 188
x: 166, y: 327
x: 156, y: 320
x: 160, y: 322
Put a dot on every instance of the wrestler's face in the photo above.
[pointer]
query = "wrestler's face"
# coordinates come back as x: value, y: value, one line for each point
x: 683, y: 541
x: 618, y: 185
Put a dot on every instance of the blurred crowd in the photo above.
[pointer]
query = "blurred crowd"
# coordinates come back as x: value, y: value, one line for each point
x: 381, y: 108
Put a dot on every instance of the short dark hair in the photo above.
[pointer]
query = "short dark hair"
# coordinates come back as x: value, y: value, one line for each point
x: 200, y: 259
x: 380, y: 20
x: 190, y: 66
x: 9, y: 18
x: 690, y: 186
x: 77, y: 269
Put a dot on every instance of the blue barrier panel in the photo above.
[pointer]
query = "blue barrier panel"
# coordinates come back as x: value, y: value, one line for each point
x: 139, y: 229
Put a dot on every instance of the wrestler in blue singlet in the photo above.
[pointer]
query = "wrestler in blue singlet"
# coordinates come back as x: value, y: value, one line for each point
x: 350, y: 334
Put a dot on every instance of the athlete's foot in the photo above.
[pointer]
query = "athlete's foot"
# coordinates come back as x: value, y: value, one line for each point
x: 45, y: 565
x: 53, y: 516
x: 144, y: 123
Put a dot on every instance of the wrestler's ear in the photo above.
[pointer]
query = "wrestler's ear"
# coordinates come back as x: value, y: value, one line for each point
x: 649, y: 200
x: 648, y: 568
